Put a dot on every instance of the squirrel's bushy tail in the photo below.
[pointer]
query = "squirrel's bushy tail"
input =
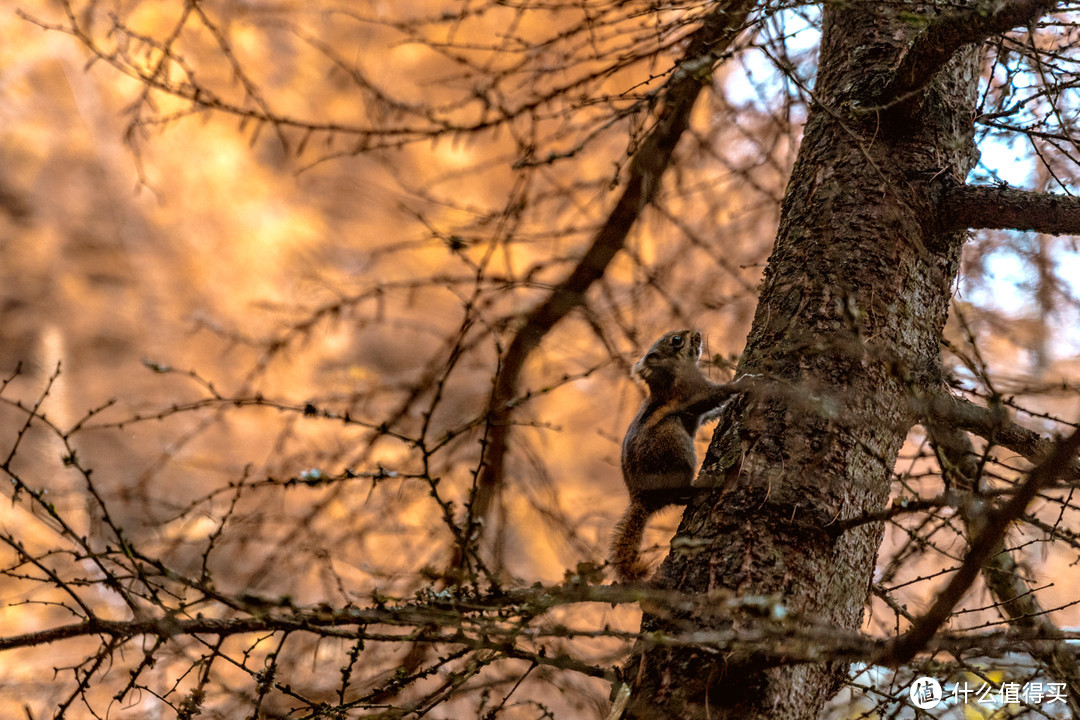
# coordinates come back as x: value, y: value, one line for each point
x: 626, y: 544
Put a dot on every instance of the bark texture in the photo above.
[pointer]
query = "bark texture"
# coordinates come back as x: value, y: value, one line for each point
x: 968, y: 206
x: 853, y: 302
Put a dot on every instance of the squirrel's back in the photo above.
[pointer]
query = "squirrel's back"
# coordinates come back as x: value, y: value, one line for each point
x: 658, y: 459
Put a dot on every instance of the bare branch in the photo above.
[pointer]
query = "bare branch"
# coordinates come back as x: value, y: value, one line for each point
x: 982, y: 547
x: 970, y: 206
x: 993, y: 425
x: 478, y: 623
x: 947, y: 33
x: 707, y: 45
x: 1015, y: 598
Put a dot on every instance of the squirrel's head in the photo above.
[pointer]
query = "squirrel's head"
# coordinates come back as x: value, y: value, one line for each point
x: 674, y: 350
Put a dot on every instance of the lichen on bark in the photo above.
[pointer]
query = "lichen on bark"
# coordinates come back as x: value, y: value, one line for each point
x: 853, y: 302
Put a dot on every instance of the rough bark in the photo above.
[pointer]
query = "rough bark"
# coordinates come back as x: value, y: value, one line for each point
x: 853, y: 302
x: 947, y: 31
x: 971, y: 206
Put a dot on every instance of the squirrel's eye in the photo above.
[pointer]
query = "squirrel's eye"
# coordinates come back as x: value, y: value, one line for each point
x: 676, y: 341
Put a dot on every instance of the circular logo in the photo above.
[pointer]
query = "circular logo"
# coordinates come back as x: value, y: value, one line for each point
x: 925, y: 693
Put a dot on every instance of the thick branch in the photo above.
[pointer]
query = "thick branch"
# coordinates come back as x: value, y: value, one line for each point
x: 971, y: 206
x: 948, y: 32
x: 993, y: 425
x: 982, y: 547
x: 707, y: 45
x: 776, y: 643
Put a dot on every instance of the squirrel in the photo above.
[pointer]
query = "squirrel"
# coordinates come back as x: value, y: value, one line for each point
x: 658, y: 459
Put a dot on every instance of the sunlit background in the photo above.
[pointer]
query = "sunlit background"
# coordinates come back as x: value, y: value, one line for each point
x: 228, y: 310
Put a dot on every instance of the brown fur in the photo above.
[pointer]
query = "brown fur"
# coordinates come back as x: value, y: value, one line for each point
x: 658, y: 460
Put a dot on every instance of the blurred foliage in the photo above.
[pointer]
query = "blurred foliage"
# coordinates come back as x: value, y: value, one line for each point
x: 259, y: 264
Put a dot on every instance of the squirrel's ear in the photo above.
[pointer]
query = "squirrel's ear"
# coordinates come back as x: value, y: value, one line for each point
x: 643, y: 367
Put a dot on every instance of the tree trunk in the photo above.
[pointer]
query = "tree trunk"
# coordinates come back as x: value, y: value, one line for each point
x: 852, y: 306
